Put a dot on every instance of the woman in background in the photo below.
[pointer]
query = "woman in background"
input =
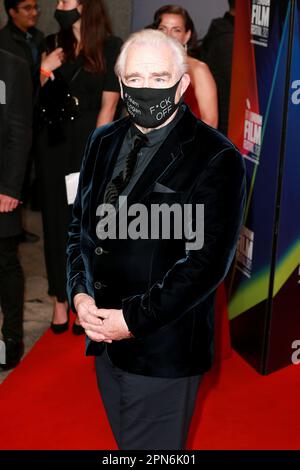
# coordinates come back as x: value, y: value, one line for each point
x: 201, y: 95
x: 82, y: 55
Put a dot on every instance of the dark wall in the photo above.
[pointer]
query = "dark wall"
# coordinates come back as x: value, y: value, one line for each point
x: 120, y: 12
x: 201, y: 12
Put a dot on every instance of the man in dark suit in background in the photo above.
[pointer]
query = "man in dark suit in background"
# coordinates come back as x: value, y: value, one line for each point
x: 15, y: 141
x: 21, y: 37
x: 216, y: 51
x: 146, y: 302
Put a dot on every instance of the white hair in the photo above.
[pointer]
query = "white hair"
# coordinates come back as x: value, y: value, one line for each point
x: 152, y: 37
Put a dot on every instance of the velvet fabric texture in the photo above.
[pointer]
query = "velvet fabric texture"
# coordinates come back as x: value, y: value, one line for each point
x: 166, y: 293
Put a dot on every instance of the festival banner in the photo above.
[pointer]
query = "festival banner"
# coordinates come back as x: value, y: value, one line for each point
x: 263, y: 287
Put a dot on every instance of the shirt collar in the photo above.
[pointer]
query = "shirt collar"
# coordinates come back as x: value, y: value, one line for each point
x: 19, y: 32
x: 158, y: 135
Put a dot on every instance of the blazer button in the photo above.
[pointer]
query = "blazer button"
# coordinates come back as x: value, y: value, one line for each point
x: 98, y: 285
x: 99, y: 251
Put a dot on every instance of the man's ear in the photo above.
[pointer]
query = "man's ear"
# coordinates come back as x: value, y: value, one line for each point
x: 185, y: 81
x: 12, y: 12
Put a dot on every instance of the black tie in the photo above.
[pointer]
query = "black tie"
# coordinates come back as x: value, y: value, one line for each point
x: 117, y: 185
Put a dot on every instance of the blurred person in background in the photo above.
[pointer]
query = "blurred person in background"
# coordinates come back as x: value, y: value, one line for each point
x: 79, y: 64
x: 201, y: 95
x: 21, y: 37
x: 216, y: 51
x: 15, y: 141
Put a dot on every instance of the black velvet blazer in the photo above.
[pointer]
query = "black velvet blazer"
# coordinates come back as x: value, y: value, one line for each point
x: 166, y: 293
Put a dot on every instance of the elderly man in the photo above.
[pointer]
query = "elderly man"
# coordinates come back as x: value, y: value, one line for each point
x: 146, y: 302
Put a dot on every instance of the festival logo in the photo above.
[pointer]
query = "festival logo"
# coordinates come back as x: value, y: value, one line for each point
x: 252, y: 135
x: 260, y: 22
x: 244, y: 255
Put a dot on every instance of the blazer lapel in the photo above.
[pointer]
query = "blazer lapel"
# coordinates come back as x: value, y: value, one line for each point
x: 105, y: 160
x: 171, y: 152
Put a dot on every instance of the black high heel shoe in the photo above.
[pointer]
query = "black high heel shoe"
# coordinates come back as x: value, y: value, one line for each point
x: 77, y: 329
x: 59, y: 328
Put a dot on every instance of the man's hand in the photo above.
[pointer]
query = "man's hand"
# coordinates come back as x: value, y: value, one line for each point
x: 53, y: 60
x: 89, y: 318
x: 114, y: 326
x: 100, y: 324
x: 7, y: 203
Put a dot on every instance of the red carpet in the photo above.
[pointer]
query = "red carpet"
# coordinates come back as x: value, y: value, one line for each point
x: 50, y: 401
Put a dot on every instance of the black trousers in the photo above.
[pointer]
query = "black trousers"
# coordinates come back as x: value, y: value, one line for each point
x: 56, y: 216
x: 11, y: 289
x: 146, y: 413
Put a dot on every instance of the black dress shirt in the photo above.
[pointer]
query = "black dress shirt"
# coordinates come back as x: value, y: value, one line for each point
x: 156, y: 137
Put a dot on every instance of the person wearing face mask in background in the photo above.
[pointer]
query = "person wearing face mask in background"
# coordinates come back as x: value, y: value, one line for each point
x: 201, y: 95
x: 82, y: 57
x: 147, y: 303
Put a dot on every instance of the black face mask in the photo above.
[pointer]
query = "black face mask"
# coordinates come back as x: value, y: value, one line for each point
x: 150, y: 107
x: 66, y: 18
